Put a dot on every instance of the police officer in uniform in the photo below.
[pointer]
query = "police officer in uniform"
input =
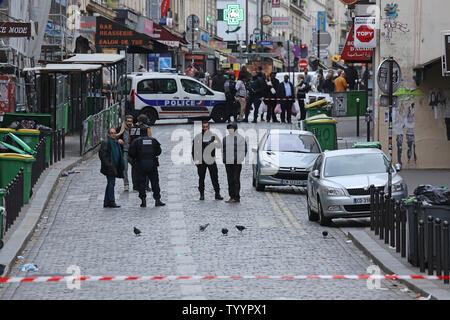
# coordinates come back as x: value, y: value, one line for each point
x: 140, y: 129
x: 145, y: 151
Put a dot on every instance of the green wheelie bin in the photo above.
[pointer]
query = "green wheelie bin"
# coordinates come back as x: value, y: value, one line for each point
x: 5, y: 131
x: 32, y: 137
x: 324, y: 128
x: 10, y: 164
x: 316, y: 108
x: 364, y: 145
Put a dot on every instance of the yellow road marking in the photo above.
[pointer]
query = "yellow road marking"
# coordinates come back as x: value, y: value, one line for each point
x: 280, y: 214
x: 289, y: 214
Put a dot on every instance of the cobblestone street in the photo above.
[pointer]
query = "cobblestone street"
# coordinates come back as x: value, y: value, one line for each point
x: 279, y: 240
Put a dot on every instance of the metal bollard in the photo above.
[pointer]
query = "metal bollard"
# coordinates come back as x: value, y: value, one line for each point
x: 392, y: 223
x: 52, y: 149
x: 397, y: 225
x: 372, y: 207
x: 430, y: 245
x: 377, y: 213
x: 59, y: 145
x: 403, y: 222
x: 387, y: 219
x: 445, y: 256
x: 437, y: 227
x: 421, y: 246
x: 63, y: 143
x: 382, y: 213
x: 55, y: 146
x: 416, y: 237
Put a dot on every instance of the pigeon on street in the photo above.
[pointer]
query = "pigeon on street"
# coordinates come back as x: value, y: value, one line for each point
x: 203, y: 228
x: 137, y: 232
x: 241, y: 228
x: 225, y: 231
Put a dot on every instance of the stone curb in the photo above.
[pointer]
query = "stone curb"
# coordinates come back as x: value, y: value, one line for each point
x: 36, y: 207
x: 391, y: 265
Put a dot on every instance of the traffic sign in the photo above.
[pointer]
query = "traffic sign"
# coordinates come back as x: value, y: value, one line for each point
x: 383, y: 76
x: 303, y: 64
x: 265, y: 43
x: 325, y: 39
x: 365, y: 32
x: 193, y: 21
x: 322, y: 20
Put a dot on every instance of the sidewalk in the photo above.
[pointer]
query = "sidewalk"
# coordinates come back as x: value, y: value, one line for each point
x: 22, y: 229
x: 382, y: 255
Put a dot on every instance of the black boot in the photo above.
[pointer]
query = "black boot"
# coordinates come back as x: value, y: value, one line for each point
x: 218, y: 196
x: 202, y: 196
x: 159, y: 203
x: 144, y: 202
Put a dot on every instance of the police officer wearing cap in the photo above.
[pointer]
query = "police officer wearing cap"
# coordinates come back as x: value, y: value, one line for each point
x: 145, y: 151
x: 140, y: 129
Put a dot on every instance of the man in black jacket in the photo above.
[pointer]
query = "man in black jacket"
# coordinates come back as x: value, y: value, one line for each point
x: 230, y: 95
x: 112, y: 165
x: 218, y: 81
x: 272, y: 87
x: 204, y: 155
x: 286, y: 91
x: 145, y: 151
x: 234, y: 153
x: 257, y: 88
x: 140, y: 129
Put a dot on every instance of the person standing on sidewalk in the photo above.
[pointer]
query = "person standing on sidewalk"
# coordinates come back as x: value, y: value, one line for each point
x: 230, y: 95
x: 286, y: 92
x: 124, y: 133
x: 204, y: 156
x: 340, y: 83
x: 234, y: 153
x: 112, y: 165
x: 241, y: 92
x: 145, y: 151
x: 256, y: 91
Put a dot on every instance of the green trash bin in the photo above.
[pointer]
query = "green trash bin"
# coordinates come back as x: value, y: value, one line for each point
x: 10, y: 164
x: 41, y: 118
x: 364, y: 145
x: 32, y: 138
x: 5, y: 131
x: 351, y: 103
x: 324, y: 128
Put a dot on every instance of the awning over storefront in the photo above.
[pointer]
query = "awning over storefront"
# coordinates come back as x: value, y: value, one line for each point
x: 65, y: 68
x: 421, y: 71
x: 164, y: 36
x: 99, y: 58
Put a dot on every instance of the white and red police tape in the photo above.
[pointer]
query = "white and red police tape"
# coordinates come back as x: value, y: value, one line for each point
x: 47, y: 279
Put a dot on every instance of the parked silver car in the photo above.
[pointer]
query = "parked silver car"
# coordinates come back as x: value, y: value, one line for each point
x: 284, y: 158
x: 338, y: 185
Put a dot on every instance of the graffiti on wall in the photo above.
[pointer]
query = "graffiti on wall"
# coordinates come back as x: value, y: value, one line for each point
x: 391, y: 24
x: 404, y: 123
x: 439, y: 100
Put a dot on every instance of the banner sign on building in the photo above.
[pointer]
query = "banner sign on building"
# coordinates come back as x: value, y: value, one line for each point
x: 365, y: 32
x: 446, y: 54
x: 281, y: 22
x: 15, y: 29
x: 276, y: 3
x: 165, y: 5
x: 352, y: 54
x: 110, y: 33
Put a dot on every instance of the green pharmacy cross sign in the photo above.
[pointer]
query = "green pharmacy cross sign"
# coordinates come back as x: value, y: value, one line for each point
x: 233, y: 15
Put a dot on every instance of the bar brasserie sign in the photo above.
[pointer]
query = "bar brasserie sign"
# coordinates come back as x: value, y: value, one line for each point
x: 110, y: 33
x: 15, y: 29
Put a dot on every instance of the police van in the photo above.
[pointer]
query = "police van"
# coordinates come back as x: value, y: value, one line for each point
x: 172, y: 96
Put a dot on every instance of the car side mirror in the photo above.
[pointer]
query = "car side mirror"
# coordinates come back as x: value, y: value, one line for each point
x: 398, y: 167
x: 202, y: 91
x: 316, y: 174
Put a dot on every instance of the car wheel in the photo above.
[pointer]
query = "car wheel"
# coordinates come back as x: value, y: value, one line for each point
x: 218, y: 114
x: 258, y: 186
x: 323, y: 221
x: 152, y: 116
x: 312, y: 216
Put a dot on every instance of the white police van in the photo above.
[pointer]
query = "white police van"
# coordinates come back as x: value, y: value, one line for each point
x: 172, y: 96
